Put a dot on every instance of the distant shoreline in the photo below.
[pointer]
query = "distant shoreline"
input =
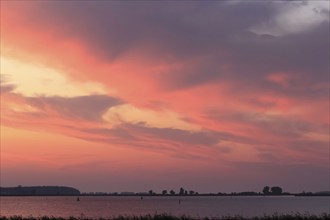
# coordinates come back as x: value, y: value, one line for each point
x: 201, y: 195
x: 39, y: 191
x: 70, y: 191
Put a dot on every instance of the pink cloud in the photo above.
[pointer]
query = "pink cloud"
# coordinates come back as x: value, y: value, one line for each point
x: 279, y: 78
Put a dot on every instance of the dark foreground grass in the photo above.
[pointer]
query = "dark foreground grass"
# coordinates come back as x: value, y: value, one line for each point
x: 297, y: 216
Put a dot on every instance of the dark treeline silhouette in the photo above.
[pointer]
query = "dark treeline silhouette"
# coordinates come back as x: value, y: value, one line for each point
x: 267, y: 191
x: 39, y: 191
x: 275, y: 190
x: 67, y: 191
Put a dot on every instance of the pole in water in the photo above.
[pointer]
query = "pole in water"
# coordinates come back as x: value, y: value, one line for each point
x: 179, y: 201
x: 78, y: 199
x: 141, y: 197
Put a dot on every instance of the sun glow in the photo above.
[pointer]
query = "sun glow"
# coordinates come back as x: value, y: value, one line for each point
x: 131, y: 114
x: 34, y: 79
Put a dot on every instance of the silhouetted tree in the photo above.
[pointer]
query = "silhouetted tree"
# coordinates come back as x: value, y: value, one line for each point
x: 276, y: 190
x: 181, y: 191
x: 172, y: 192
x: 164, y: 192
x: 191, y: 192
x: 186, y: 192
x: 266, y: 190
x: 151, y: 192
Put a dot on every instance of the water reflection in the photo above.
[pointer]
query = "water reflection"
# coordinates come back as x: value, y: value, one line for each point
x: 91, y: 206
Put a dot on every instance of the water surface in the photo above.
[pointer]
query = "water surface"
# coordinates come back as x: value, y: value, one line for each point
x: 103, y: 206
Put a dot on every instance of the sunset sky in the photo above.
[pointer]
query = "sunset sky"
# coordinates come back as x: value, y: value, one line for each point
x: 212, y: 96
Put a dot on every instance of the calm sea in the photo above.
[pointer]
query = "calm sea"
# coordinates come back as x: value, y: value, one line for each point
x: 193, y: 206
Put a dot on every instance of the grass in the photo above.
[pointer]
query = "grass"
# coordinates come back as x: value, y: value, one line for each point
x: 296, y: 216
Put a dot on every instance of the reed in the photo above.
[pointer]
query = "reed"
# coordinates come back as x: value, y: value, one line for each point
x: 297, y: 216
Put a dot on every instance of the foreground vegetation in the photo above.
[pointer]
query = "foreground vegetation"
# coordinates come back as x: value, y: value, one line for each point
x: 297, y: 216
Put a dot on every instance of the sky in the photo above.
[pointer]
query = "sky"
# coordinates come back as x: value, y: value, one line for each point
x: 211, y: 96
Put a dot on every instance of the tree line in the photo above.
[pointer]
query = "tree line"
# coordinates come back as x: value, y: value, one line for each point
x: 275, y: 190
x: 61, y: 190
x: 266, y: 191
